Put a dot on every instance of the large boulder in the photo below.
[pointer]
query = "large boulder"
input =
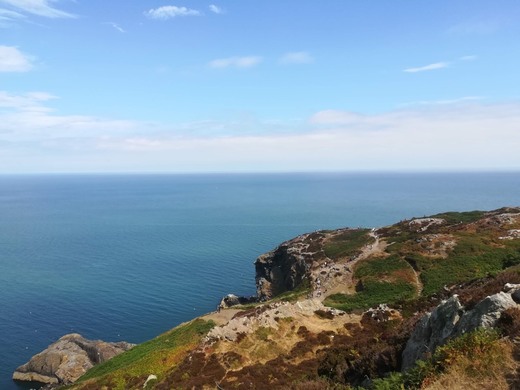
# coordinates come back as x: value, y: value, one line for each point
x: 450, y: 319
x: 432, y: 330
x: 67, y: 359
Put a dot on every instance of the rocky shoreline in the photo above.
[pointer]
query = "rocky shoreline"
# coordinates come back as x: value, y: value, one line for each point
x: 67, y: 359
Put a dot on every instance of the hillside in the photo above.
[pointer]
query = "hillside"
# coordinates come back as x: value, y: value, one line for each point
x: 338, y: 308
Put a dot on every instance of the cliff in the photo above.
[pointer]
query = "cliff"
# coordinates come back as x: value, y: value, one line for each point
x: 354, y: 307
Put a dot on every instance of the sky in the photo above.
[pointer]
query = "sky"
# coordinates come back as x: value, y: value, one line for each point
x: 259, y: 86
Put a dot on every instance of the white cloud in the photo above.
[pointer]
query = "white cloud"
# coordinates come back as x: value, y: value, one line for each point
x: 444, y: 101
x: 170, y: 11
x: 39, y: 8
x: 216, y: 9
x: 472, y: 136
x: 435, y: 66
x: 299, y: 57
x: 468, y: 58
x: 446, y: 138
x: 236, y: 62
x: 31, y: 101
x: 334, y: 117
x: 13, y: 60
x: 6, y: 17
x: 117, y: 27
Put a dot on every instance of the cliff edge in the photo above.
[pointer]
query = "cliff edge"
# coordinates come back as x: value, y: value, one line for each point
x: 355, y: 308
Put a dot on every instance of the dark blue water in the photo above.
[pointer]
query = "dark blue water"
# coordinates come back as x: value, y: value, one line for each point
x: 126, y: 257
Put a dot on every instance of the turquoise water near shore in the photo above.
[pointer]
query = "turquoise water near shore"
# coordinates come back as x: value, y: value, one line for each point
x: 126, y: 257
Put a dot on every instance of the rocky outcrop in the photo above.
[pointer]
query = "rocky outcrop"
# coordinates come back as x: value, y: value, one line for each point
x: 67, y: 359
x: 231, y: 300
x: 450, y: 319
x: 286, y: 267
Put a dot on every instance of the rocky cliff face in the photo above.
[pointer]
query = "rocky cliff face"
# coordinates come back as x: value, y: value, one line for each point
x: 67, y: 359
x: 286, y: 267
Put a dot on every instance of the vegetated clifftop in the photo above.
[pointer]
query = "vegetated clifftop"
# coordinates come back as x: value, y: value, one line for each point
x: 354, y: 307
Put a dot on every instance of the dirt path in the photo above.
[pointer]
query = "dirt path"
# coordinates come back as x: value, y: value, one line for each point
x: 337, y: 277
x: 222, y: 317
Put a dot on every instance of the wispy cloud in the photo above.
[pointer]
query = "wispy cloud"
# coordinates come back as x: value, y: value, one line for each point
x: 298, y: 57
x: 35, y: 137
x: 29, y: 102
x: 38, y: 7
x: 13, y: 60
x: 236, y: 62
x: 117, y: 27
x: 334, y: 117
x: 7, y: 17
x: 464, y: 99
x: 216, y: 9
x: 468, y: 58
x: 425, y: 68
x: 479, y: 27
x: 170, y: 11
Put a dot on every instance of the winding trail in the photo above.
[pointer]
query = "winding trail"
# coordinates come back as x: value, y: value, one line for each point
x: 338, y: 276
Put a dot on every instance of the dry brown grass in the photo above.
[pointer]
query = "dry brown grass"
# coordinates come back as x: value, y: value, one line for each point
x: 492, y: 371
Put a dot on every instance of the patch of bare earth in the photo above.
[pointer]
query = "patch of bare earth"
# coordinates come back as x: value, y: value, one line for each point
x: 336, y: 277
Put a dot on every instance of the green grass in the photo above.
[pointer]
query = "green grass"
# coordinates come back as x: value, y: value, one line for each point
x: 471, y: 258
x: 347, y: 243
x: 374, y: 293
x: 453, y: 217
x: 301, y: 291
x: 150, y: 356
x: 379, y: 267
x: 481, y: 348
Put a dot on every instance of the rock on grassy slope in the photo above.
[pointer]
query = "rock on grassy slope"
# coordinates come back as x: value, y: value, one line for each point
x: 314, y: 328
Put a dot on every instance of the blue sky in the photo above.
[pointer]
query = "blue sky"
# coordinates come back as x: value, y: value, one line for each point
x: 239, y: 86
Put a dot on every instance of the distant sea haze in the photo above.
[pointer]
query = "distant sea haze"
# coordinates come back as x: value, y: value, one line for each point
x: 126, y: 257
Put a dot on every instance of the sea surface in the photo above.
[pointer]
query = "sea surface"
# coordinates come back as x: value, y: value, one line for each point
x: 127, y: 257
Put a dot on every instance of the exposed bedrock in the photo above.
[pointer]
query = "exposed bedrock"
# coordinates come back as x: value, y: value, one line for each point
x: 286, y: 267
x: 450, y: 319
x: 67, y: 359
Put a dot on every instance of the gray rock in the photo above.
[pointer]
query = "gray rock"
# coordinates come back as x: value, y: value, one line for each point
x: 68, y: 359
x: 449, y: 320
x: 432, y: 330
x: 486, y: 313
x: 516, y: 296
x: 233, y: 300
x: 287, y: 266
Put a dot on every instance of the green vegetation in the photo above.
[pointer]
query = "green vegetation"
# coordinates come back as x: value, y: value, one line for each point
x: 464, y: 356
x: 150, y: 356
x: 347, y: 243
x: 263, y: 333
x: 452, y: 217
x: 379, y: 267
x: 472, y: 258
x: 293, y: 295
x: 373, y: 293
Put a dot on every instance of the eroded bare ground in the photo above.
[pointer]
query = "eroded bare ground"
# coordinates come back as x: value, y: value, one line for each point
x: 332, y: 277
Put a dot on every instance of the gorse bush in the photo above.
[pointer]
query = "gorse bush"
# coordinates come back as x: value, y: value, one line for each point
x: 372, y: 294
x: 347, y: 244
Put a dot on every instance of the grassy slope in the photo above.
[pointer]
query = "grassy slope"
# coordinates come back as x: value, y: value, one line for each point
x: 152, y: 357
x: 477, y: 253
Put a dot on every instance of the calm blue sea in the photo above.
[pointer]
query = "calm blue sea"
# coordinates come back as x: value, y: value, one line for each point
x: 126, y: 257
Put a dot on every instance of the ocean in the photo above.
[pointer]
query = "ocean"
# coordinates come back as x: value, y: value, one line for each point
x: 127, y: 257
